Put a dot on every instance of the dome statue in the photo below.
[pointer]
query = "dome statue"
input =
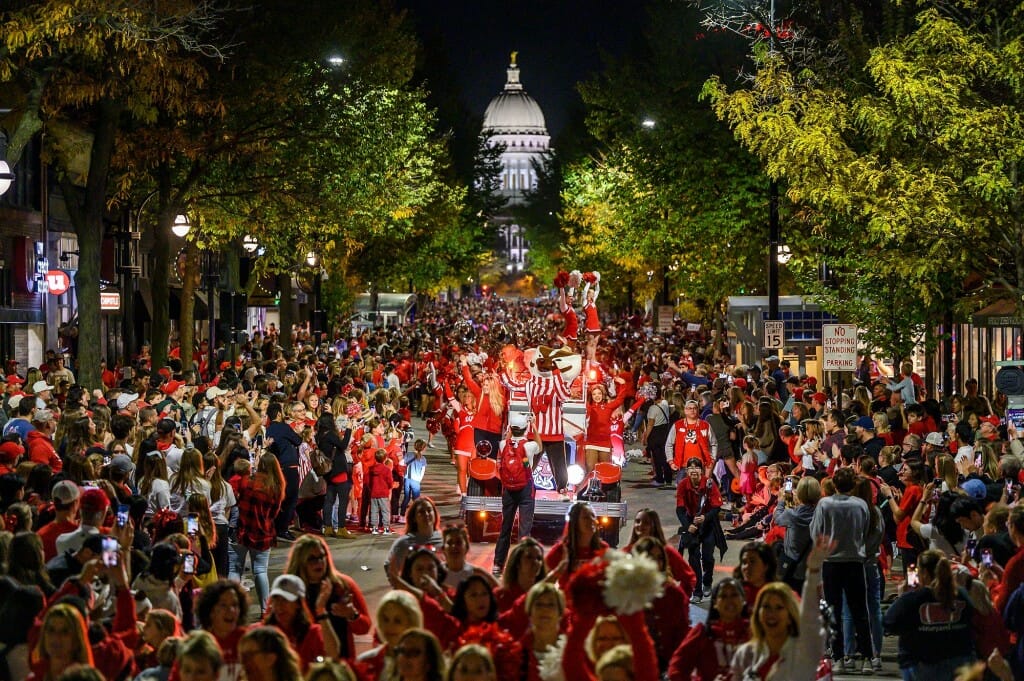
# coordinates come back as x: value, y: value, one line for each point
x: 513, y: 111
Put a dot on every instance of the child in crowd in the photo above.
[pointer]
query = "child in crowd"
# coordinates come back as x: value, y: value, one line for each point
x: 378, y: 484
x: 415, y: 469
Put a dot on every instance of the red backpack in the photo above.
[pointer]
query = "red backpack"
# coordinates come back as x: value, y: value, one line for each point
x: 513, y: 466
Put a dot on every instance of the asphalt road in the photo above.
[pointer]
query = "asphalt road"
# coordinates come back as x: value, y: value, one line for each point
x: 363, y: 558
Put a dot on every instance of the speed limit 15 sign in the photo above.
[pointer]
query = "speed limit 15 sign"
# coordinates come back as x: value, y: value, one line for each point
x: 774, y: 334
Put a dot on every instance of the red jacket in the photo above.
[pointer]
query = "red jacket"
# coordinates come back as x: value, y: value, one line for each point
x: 39, y: 448
x: 379, y: 481
x: 689, y: 497
x: 692, y: 439
x: 708, y: 651
x: 485, y: 418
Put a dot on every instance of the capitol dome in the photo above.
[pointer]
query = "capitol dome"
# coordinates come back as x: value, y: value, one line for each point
x: 513, y: 112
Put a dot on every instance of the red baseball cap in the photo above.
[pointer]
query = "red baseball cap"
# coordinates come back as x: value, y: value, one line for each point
x: 169, y: 387
x: 10, y: 451
x: 94, y: 499
x: 15, y: 379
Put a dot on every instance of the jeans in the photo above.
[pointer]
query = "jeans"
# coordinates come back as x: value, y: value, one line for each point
x: 380, y: 512
x: 336, y: 494
x: 291, y: 499
x: 520, y: 500
x: 874, y: 593
x: 846, y: 579
x: 412, y: 492
x: 700, y: 550
x: 260, y: 561
x: 220, y: 551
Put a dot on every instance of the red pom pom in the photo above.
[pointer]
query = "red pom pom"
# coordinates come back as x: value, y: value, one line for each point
x: 587, y: 581
x: 433, y: 426
x: 561, y: 279
x: 505, y: 650
x: 590, y: 278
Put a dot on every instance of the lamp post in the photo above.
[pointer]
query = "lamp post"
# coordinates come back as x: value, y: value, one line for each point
x: 181, y: 227
x: 316, y: 322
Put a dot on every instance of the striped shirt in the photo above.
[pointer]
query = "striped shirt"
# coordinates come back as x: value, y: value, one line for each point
x: 545, y: 395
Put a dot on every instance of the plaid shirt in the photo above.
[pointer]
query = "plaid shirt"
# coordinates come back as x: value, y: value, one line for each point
x: 257, y: 510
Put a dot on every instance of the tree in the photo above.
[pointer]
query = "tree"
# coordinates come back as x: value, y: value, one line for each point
x: 919, y: 164
x: 80, y: 71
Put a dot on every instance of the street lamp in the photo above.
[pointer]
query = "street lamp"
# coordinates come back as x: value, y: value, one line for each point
x: 181, y: 226
x: 335, y: 60
x: 783, y: 254
x: 250, y: 244
x: 6, y: 175
x: 311, y: 259
x: 648, y: 123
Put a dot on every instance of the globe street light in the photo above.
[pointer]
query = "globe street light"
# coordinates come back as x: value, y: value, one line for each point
x: 784, y: 254
x: 6, y: 177
x: 181, y: 226
x: 648, y: 123
x: 250, y: 244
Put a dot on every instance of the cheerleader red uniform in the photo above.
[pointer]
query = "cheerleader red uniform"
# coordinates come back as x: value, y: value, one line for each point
x: 464, y: 444
x: 584, y: 555
x: 668, y: 621
x: 572, y: 323
x: 592, y: 324
x: 708, y: 651
x: 485, y: 418
x: 678, y: 567
x: 599, y: 422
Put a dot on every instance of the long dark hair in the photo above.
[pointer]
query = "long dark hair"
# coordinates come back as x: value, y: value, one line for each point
x: 571, y: 547
x: 459, y: 602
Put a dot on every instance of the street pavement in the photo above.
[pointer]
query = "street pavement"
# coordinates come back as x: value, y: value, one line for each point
x: 363, y: 558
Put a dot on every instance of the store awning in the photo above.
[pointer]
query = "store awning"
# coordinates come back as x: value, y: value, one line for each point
x: 1002, y: 313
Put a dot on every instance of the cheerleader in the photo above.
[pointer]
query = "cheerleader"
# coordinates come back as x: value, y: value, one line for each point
x: 566, y: 284
x: 592, y: 324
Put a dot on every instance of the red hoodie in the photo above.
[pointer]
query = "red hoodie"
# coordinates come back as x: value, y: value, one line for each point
x: 39, y: 448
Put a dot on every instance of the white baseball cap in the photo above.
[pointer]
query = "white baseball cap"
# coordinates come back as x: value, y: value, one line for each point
x: 41, y: 386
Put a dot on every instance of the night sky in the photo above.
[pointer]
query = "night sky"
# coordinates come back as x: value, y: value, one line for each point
x: 560, y: 42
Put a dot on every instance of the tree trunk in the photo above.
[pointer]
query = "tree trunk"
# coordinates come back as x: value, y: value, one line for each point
x: 88, y: 222
x: 186, y: 322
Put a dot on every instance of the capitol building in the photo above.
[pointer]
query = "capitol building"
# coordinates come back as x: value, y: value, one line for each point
x: 514, y: 119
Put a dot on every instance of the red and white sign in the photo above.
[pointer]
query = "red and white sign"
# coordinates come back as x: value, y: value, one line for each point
x: 57, y: 282
x: 839, y: 347
x: 110, y: 300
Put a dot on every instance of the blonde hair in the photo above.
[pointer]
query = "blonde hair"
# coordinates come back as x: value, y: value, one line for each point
x: 472, y: 650
x: 62, y: 612
x: 201, y: 645
x: 781, y: 591
x: 590, y: 645
x: 619, y: 657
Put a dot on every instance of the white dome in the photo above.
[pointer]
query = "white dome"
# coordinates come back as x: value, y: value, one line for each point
x: 513, y: 111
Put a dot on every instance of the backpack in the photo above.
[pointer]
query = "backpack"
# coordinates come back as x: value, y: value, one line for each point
x: 513, y: 467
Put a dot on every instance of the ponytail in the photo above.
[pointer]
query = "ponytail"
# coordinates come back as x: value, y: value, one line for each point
x: 943, y: 585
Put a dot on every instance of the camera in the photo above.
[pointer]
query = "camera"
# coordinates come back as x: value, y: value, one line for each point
x: 109, y: 552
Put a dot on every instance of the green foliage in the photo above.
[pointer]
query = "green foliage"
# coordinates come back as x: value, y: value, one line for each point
x: 916, y: 168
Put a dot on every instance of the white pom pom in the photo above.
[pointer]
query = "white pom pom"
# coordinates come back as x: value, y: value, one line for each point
x: 597, y: 277
x: 631, y: 582
x: 549, y: 663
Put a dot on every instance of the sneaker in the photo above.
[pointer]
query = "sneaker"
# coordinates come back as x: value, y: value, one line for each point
x: 375, y: 531
x: 330, y: 532
x: 697, y: 597
x: 876, y: 664
x: 496, y: 570
x: 866, y: 668
x: 286, y: 536
x: 707, y: 590
x: 386, y: 530
x: 847, y: 666
x: 343, y: 533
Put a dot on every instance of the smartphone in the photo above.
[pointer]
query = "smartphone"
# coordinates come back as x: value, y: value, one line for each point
x: 109, y: 552
x: 122, y: 515
x: 1009, y: 491
x: 912, y: 580
x: 986, y: 558
x: 971, y: 545
x: 192, y: 526
x: 936, y: 493
x: 788, y: 486
x: 188, y: 565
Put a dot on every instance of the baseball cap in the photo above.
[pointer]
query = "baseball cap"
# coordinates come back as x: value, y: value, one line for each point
x: 740, y: 383
x: 124, y: 399
x: 94, y: 499
x: 772, y: 358
x: 15, y: 379
x: 975, y: 489
x: 935, y: 439
x: 992, y: 420
x: 820, y: 397
x: 42, y: 416
x: 864, y: 422
x: 289, y: 587
x: 121, y: 463
x: 65, y: 492
x: 517, y: 420
x: 215, y: 392
x: 10, y: 451
x: 169, y: 387
x: 40, y: 386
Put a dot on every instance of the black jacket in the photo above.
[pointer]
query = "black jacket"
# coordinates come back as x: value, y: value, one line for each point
x: 334, y: 446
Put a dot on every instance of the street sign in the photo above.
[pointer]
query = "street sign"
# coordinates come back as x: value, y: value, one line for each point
x: 57, y: 282
x: 665, y: 314
x: 774, y: 334
x: 110, y: 300
x: 839, y: 347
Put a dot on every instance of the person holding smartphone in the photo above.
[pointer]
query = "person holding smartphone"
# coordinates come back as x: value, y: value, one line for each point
x: 933, y: 622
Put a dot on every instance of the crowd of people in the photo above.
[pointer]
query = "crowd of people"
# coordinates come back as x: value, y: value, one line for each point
x: 139, y: 516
